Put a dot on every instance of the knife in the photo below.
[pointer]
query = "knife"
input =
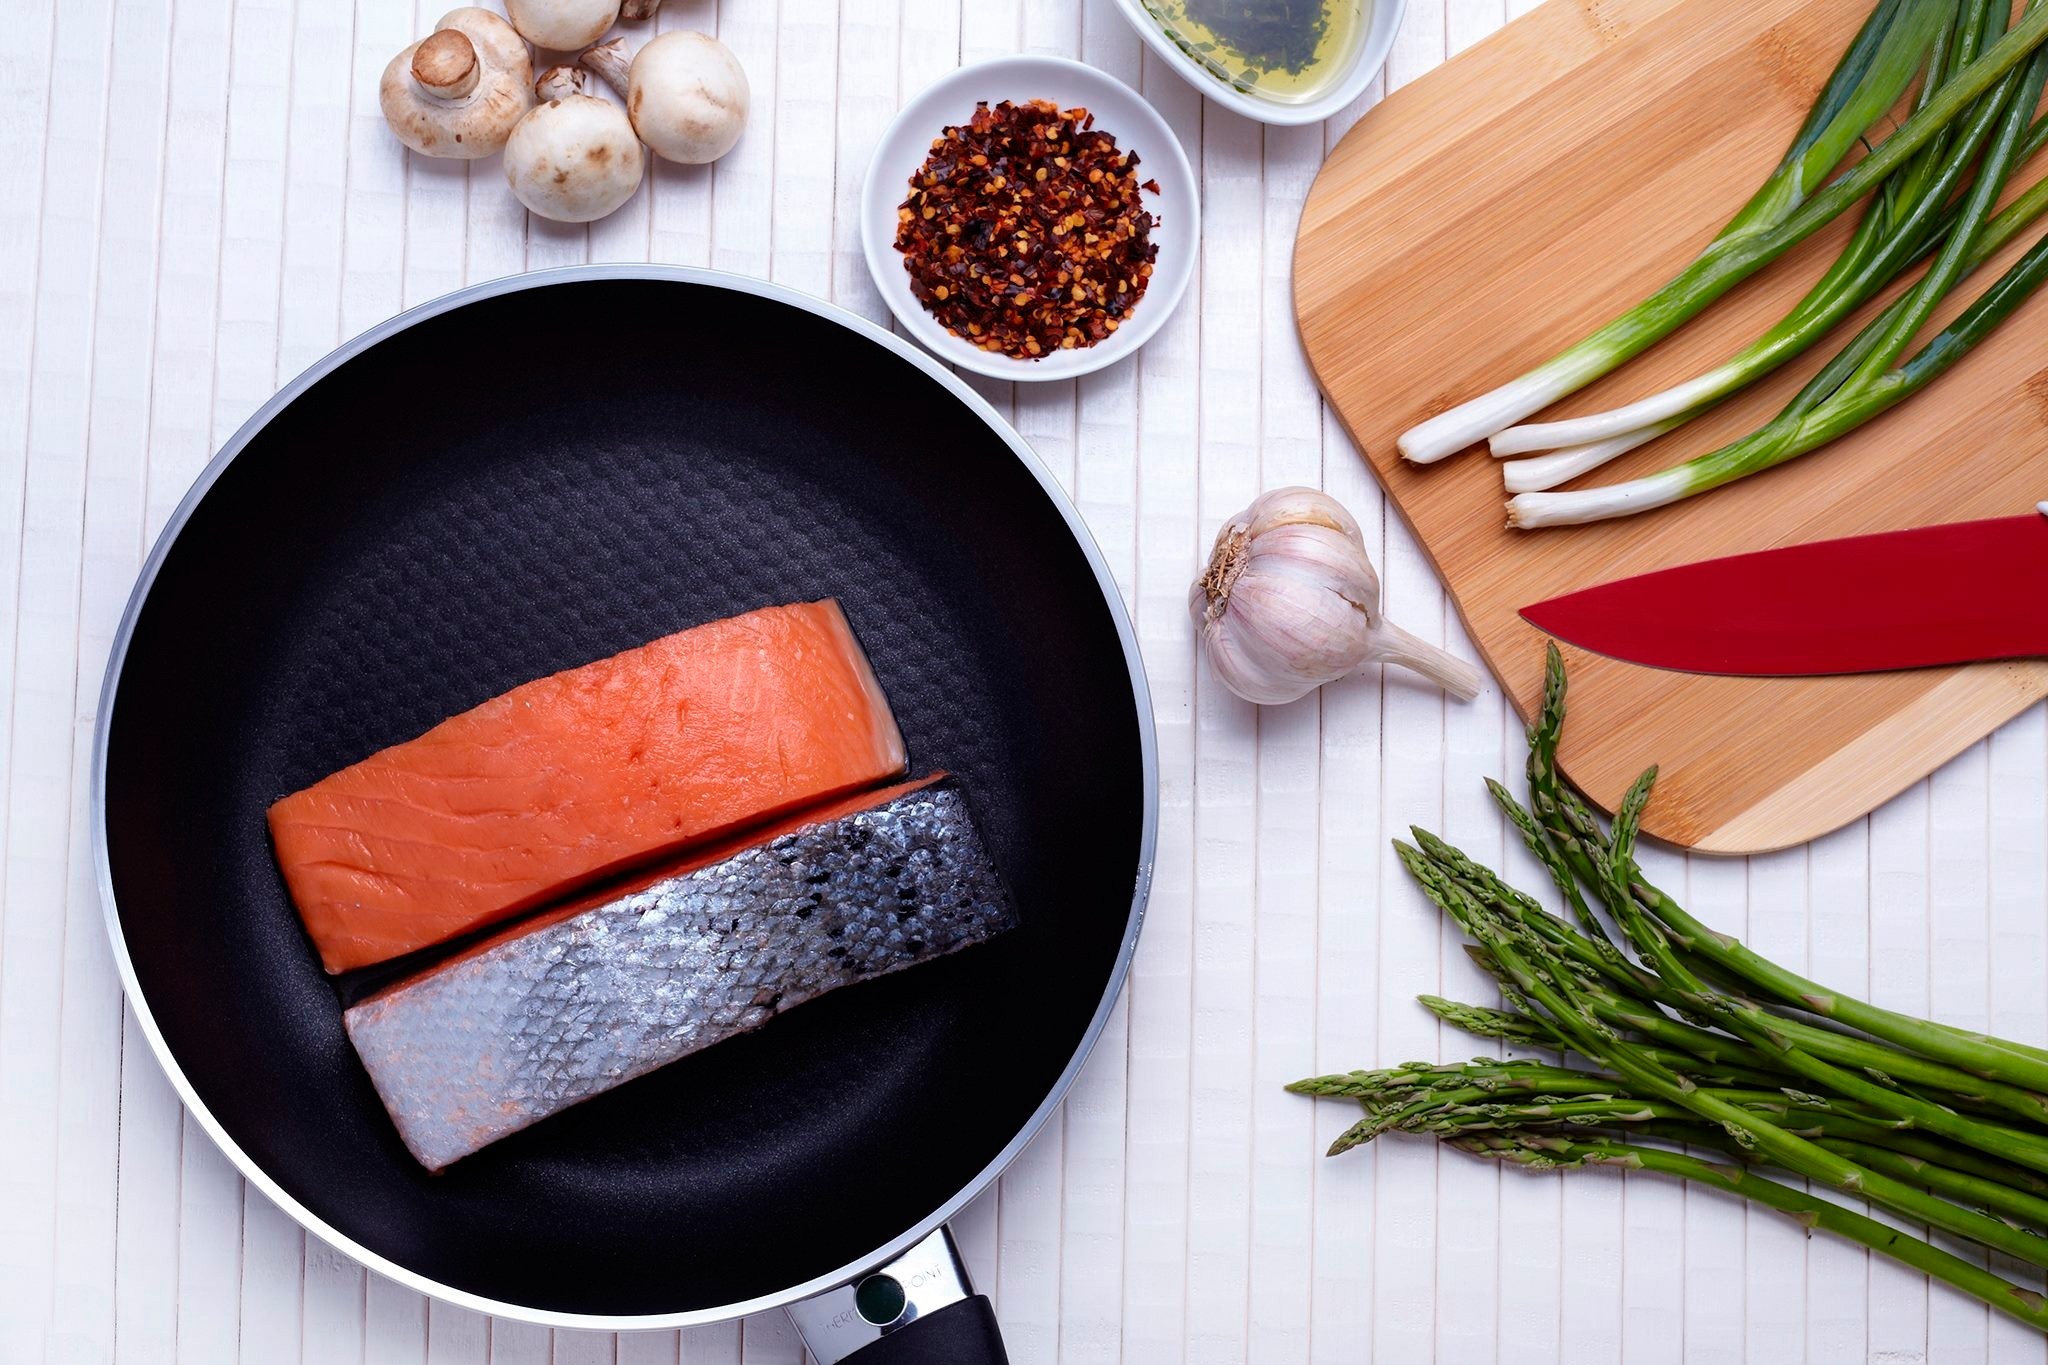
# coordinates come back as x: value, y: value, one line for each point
x: 1900, y: 599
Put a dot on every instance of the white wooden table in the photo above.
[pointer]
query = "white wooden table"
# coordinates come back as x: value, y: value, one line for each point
x: 198, y: 198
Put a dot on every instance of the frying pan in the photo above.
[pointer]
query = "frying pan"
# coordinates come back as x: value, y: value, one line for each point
x: 536, y: 472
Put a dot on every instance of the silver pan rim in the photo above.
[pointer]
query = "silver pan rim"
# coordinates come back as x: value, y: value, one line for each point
x: 103, y: 876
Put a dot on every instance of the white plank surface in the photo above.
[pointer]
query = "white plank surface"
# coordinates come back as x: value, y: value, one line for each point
x: 203, y: 200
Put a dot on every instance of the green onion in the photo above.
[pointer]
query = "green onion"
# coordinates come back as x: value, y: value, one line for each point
x: 1540, y: 472
x: 1567, y: 462
x: 1894, y: 231
x: 1864, y: 381
x: 1876, y: 70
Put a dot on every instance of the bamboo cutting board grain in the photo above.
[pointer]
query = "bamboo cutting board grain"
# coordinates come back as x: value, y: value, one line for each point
x: 1508, y: 202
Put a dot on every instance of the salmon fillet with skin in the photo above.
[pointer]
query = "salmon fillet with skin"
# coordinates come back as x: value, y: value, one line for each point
x: 581, y: 775
x: 593, y: 994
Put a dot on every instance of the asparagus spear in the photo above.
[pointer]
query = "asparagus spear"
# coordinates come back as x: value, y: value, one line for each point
x: 1824, y: 1128
x: 1994, y: 1196
x: 1548, y: 1153
x: 1520, y: 1029
x: 1772, y: 1037
x: 1814, y: 1053
x: 1484, y: 1076
x: 1951, y: 1171
x: 1980, y: 1054
x: 1682, y: 1053
x: 1954, y: 1085
x: 1551, y: 987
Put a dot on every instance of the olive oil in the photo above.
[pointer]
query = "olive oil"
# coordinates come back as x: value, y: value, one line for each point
x: 1288, y: 51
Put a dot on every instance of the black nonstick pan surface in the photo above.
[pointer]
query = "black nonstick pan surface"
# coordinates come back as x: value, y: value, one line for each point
x: 521, y: 478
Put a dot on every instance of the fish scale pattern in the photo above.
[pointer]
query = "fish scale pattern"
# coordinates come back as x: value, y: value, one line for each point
x: 536, y: 1022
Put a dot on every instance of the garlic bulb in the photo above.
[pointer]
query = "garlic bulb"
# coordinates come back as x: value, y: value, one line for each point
x: 1290, y: 602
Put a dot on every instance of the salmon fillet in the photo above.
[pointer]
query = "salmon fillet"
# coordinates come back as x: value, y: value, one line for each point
x: 548, y: 1014
x: 581, y: 775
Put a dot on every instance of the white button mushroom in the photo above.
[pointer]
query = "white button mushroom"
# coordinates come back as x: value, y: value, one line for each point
x: 562, y: 25
x: 574, y: 157
x: 685, y: 92
x: 459, y: 91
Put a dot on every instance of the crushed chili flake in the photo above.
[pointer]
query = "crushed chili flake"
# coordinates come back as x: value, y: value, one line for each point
x: 1024, y: 231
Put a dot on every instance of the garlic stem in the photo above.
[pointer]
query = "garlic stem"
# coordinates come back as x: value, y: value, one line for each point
x: 1393, y: 645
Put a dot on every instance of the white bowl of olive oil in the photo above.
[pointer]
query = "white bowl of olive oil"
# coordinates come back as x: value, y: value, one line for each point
x: 1277, y: 61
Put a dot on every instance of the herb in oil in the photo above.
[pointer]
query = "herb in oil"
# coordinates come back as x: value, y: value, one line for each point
x: 1289, y: 51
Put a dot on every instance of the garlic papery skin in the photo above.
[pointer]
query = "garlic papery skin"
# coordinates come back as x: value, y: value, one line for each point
x: 1290, y: 601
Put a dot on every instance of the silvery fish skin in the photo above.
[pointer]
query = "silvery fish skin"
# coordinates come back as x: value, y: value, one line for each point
x: 490, y: 1043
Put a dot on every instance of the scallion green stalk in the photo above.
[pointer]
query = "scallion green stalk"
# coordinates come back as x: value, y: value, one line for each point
x: 1892, y: 229
x: 1909, y: 214
x: 1863, y: 382
x: 1874, y: 263
x: 1783, y: 214
x: 1538, y: 473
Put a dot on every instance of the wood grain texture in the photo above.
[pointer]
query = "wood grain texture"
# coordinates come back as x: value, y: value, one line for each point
x: 1534, y: 187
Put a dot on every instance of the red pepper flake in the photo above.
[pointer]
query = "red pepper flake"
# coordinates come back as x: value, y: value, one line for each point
x: 1024, y: 231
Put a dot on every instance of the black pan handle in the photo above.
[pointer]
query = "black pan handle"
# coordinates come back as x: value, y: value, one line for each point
x: 962, y: 1333
x: 919, y: 1309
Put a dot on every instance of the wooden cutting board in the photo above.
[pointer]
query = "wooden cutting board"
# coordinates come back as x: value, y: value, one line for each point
x: 1504, y: 205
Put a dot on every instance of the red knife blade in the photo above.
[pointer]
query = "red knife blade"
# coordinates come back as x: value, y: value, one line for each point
x: 1899, y: 599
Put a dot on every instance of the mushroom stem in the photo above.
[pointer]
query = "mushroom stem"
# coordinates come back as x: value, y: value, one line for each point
x: 558, y: 83
x: 611, y: 63
x: 637, y: 10
x: 445, y: 64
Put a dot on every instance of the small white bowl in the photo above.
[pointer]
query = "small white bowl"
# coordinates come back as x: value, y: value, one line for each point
x: 1365, y: 64
x: 1121, y: 113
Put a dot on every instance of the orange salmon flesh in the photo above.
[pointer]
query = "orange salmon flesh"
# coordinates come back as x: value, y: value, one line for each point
x: 581, y: 775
